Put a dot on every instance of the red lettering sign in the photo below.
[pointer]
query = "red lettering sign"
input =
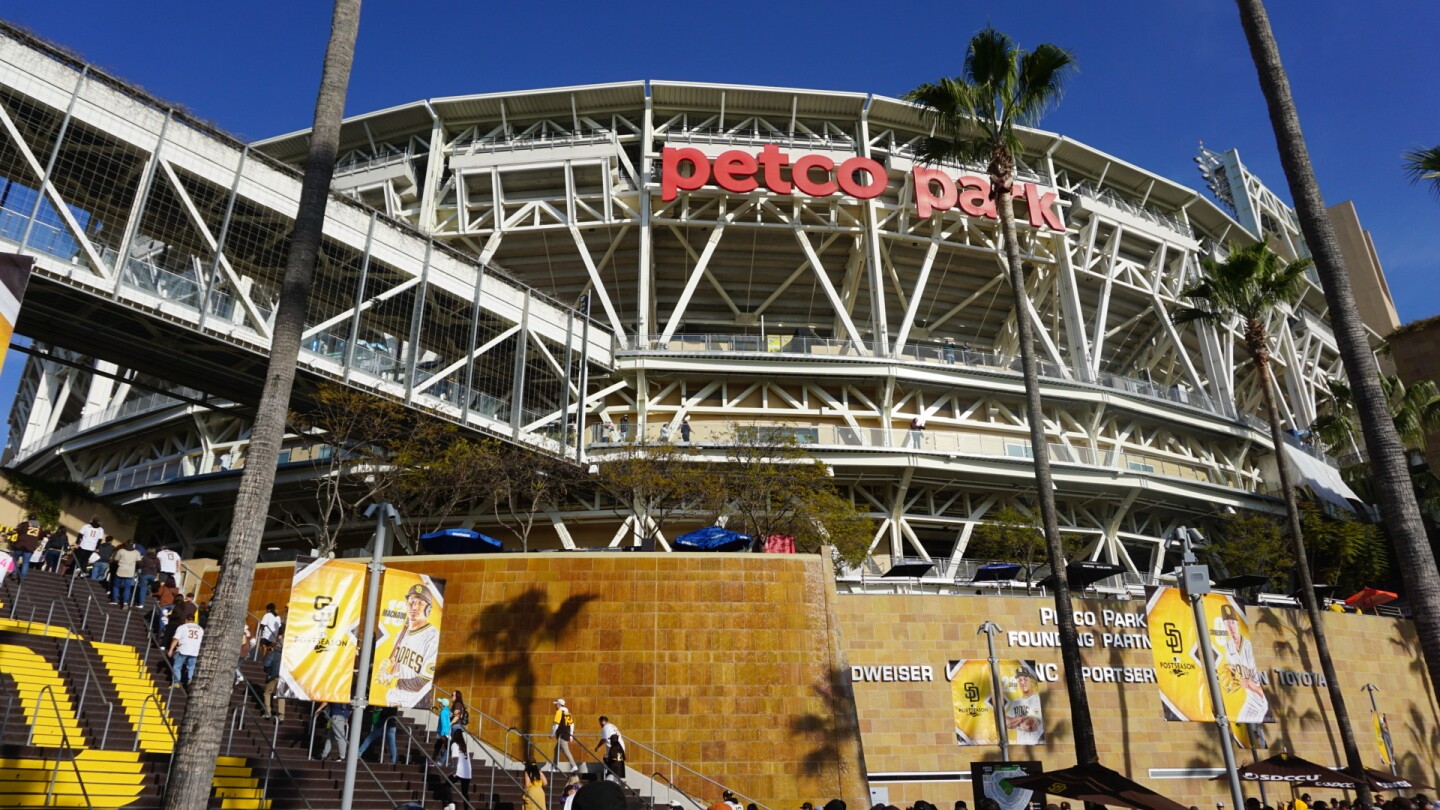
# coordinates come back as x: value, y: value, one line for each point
x: 687, y: 169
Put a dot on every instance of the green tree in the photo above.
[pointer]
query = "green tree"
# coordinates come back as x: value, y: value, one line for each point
x: 198, y: 743
x: 975, y: 116
x: 772, y: 487
x: 1415, y: 410
x: 1249, y: 286
x: 1250, y: 543
x: 527, y: 485
x: 1401, y: 512
x: 1011, y: 535
x: 655, y: 484
x: 1423, y: 165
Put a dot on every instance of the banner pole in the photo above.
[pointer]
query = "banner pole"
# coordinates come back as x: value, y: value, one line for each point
x: 990, y: 629
x: 1197, y: 584
x: 360, y: 698
x: 1375, y: 720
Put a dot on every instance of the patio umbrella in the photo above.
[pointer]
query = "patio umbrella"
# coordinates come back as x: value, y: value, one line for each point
x: 459, y: 541
x: 712, y: 538
x: 1379, y: 780
x: 1292, y: 770
x: 1096, y: 783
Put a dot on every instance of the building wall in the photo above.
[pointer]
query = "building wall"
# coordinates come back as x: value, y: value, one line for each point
x: 1367, y: 277
x: 1415, y: 350
x: 727, y: 662
x: 720, y: 662
x: 908, y: 730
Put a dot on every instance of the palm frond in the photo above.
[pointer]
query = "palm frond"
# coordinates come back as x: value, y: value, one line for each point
x: 990, y: 59
x: 1186, y: 315
x: 1041, y: 82
x: 1423, y: 165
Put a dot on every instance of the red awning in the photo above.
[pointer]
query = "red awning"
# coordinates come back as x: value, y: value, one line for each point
x: 1370, y: 597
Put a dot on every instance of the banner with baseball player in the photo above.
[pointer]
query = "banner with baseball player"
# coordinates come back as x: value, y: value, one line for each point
x: 973, y: 704
x: 408, y: 639
x: 317, y: 661
x: 1175, y: 644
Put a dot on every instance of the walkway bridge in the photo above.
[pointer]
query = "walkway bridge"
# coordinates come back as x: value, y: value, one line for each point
x: 160, y: 245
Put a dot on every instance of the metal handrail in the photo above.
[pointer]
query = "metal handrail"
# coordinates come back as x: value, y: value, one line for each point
x: 89, y: 671
x: 164, y: 721
x: 601, y: 759
x: 671, y: 786
x: 66, y: 746
x: 692, y: 771
x: 274, y: 757
x: 410, y: 743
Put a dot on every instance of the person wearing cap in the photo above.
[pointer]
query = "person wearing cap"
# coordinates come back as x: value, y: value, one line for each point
x: 610, y: 737
x: 1239, y: 666
x: 409, y: 672
x: 563, y: 729
x: 1023, y: 714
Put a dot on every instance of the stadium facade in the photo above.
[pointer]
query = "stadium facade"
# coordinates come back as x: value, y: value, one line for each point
x: 747, y: 254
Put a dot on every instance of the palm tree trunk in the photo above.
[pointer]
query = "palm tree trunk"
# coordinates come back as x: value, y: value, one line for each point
x: 1302, y: 567
x: 1391, y: 473
x: 198, y: 744
x: 1084, y: 731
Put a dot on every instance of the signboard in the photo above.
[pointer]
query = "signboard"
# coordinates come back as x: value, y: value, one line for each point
x: 974, y: 705
x: 1175, y: 644
x: 815, y: 175
x: 991, y: 781
x: 14, y: 277
x: 318, y: 658
x: 408, y: 640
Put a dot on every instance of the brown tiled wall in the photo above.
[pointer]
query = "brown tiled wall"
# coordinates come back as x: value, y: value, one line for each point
x: 717, y: 661
x: 1416, y: 352
x: 907, y: 727
x: 722, y: 661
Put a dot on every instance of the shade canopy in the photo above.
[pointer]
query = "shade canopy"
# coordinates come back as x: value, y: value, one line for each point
x: 1378, y: 781
x: 712, y: 538
x: 459, y: 541
x: 996, y: 572
x: 1369, y: 598
x: 1290, y: 769
x: 1096, y: 783
x: 1081, y: 574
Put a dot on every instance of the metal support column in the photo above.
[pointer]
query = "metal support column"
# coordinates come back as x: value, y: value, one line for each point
x: 517, y: 380
x: 209, y: 286
x: 417, y: 317
x: 50, y: 162
x: 137, y: 211
x: 348, y: 360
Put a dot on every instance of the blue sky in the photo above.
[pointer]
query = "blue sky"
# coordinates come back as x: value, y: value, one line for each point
x: 1156, y: 76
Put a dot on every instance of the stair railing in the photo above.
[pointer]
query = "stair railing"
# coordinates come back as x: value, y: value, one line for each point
x: 273, y: 757
x: 611, y: 771
x: 689, y: 771
x: 439, y: 769
x: 90, y: 673
x: 65, y: 747
x: 671, y: 789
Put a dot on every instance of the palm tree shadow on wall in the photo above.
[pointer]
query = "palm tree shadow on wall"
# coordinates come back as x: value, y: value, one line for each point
x: 831, y: 729
x: 510, y: 632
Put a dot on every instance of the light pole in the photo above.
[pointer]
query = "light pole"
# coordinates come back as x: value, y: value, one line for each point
x: 997, y: 697
x: 1197, y: 584
x: 1384, y: 732
x: 383, y: 514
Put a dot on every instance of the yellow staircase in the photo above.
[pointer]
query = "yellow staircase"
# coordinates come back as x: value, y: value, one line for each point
x: 112, y: 779
x: 87, y: 777
x: 43, y: 697
x: 139, y: 697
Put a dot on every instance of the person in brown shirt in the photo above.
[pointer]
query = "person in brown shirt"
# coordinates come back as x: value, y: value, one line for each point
x: 28, y: 537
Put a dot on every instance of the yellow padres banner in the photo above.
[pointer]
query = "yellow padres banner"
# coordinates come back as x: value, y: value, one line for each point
x: 973, y: 705
x: 1175, y: 644
x: 408, y: 640
x: 1382, y: 736
x: 14, y: 277
x: 318, y: 659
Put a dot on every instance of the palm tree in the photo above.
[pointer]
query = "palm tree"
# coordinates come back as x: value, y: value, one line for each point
x: 1424, y: 164
x: 1250, y: 285
x: 198, y: 743
x: 1398, y: 506
x: 1416, y: 411
x: 975, y: 116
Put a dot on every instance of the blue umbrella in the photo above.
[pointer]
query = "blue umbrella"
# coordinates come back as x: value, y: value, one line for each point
x: 712, y: 538
x: 459, y: 541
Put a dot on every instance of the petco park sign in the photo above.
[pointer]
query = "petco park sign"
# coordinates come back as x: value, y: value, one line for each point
x: 858, y: 177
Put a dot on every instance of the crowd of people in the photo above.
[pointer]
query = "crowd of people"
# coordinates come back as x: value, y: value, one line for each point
x: 130, y: 572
